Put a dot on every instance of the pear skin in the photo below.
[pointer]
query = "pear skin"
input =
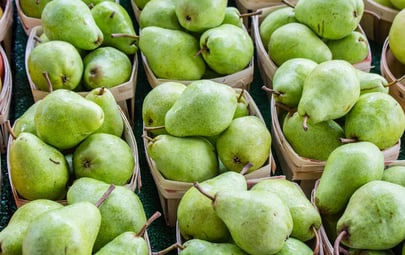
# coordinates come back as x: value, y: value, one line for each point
x: 204, y: 247
x: 395, y: 174
x: 159, y: 13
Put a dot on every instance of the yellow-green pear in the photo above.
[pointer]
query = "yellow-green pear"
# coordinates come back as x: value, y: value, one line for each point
x: 395, y: 174
x: 159, y: 13
x: 398, y: 4
x: 25, y: 123
x: 353, y: 48
x: 294, y: 246
x: 396, y: 36
x: 372, y: 82
x: 233, y: 16
x: 204, y: 247
x: 33, y: 8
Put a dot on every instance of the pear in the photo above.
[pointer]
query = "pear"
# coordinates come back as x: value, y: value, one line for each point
x: 170, y: 53
x: 295, y: 246
x: 65, y: 230
x: 253, y: 215
x: 33, y: 8
x: 395, y: 174
x: 374, y: 217
x: 329, y: 91
x: 37, y: 169
x: 160, y: 13
x: 92, y: 3
x: 204, y: 108
x: 330, y: 20
x: 104, y: 157
x: 186, y: 159
x: 196, y: 218
x: 353, y: 48
x: 317, y: 142
x: 370, y: 252
x: 198, y: 16
x: 65, y: 71
x: 12, y: 236
x: 140, y: 3
x: 204, y: 247
x: 348, y: 167
x: 157, y: 102
x: 247, y: 140
x: 226, y: 48
x: 306, y: 218
x: 78, y: 116
x: 376, y: 117
x: 71, y: 21
x: 300, y: 41
x: 116, y: 25
x: 242, y: 107
x: 106, y: 67
x: 25, y: 123
x: 398, y: 4
x: 126, y: 243
x: 372, y: 82
x: 113, y: 122
x: 122, y: 211
x: 288, y: 80
x: 386, y: 3
x: 233, y: 16
x: 274, y: 20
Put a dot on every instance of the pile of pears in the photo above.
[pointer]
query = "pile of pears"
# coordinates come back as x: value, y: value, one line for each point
x: 98, y: 218
x: 316, y: 30
x: 64, y: 137
x: 82, y: 46
x: 361, y: 200
x: 194, y: 132
x: 323, y: 106
x: 192, y: 40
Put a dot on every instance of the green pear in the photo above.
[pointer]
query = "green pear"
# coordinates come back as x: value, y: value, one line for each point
x: 117, y: 26
x: 71, y: 21
x: 295, y: 246
x: 386, y: 3
x: 247, y: 141
x: 317, y: 142
x: 78, y: 116
x: 330, y: 20
x: 196, y: 218
x: 233, y: 16
x: 348, y: 167
x: 254, y: 215
x: 12, y: 235
x: 383, y: 129
x: 160, y: 13
x: 197, y: 16
x: 306, y: 218
x: 198, y: 161
x: 300, y: 41
x: 274, y: 20
x: 204, y: 108
x: 65, y: 230
x: 113, y: 122
x: 204, y: 247
x: 126, y: 243
x: 398, y: 4
x: 370, y: 252
x: 157, y: 102
x: 140, y: 4
x: 25, y: 123
x: 226, y: 48
x: 374, y: 217
x: 106, y: 67
x: 288, y: 80
x: 396, y: 36
x: 242, y: 107
x: 104, y: 157
x: 372, y: 82
x: 171, y: 54
x: 37, y: 169
x: 122, y: 211
x: 395, y: 174
x: 353, y: 48
x: 329, y: 91
x: 33, y: 8
x: 65, y: 71
x: 92, y: 3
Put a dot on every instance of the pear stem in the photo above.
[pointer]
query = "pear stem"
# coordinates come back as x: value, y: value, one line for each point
x: 199, y: 188
x: 124, y: 35
x: 169, y: 249
x: 348, y: 140
x: 148, y: 138
x: 101, y: 91
x: 249, y: 14
x: 148, y: 223
x: 395, y: 81
x: 48, y: 80
x: 288, y: 3
x: 10, y: 129
x: 105, y: 195
x: 305, y: 123
x: 271, y: 91
x: 285, y: 107
x: 241, y: 95
x: 153, y: 128
x: 336, y: 245
x: 246, y: 168
x: 317, y: 243
x: 37, y: 39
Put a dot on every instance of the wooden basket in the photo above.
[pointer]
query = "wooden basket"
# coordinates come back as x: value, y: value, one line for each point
x: 133, y: 183
x: 267, y: 67
x: 124, y: 93
x: 6, y: 26
x: 377, y: 20
x: 5, y: 100
x: 170, y: 192
x: 305, y: 170
x: 392, y: 70
x: 136, y: 10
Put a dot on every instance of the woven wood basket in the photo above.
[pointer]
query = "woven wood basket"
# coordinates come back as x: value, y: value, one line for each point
x: 128, y: 136
x: 6, y: 26
x: 5, y: 100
